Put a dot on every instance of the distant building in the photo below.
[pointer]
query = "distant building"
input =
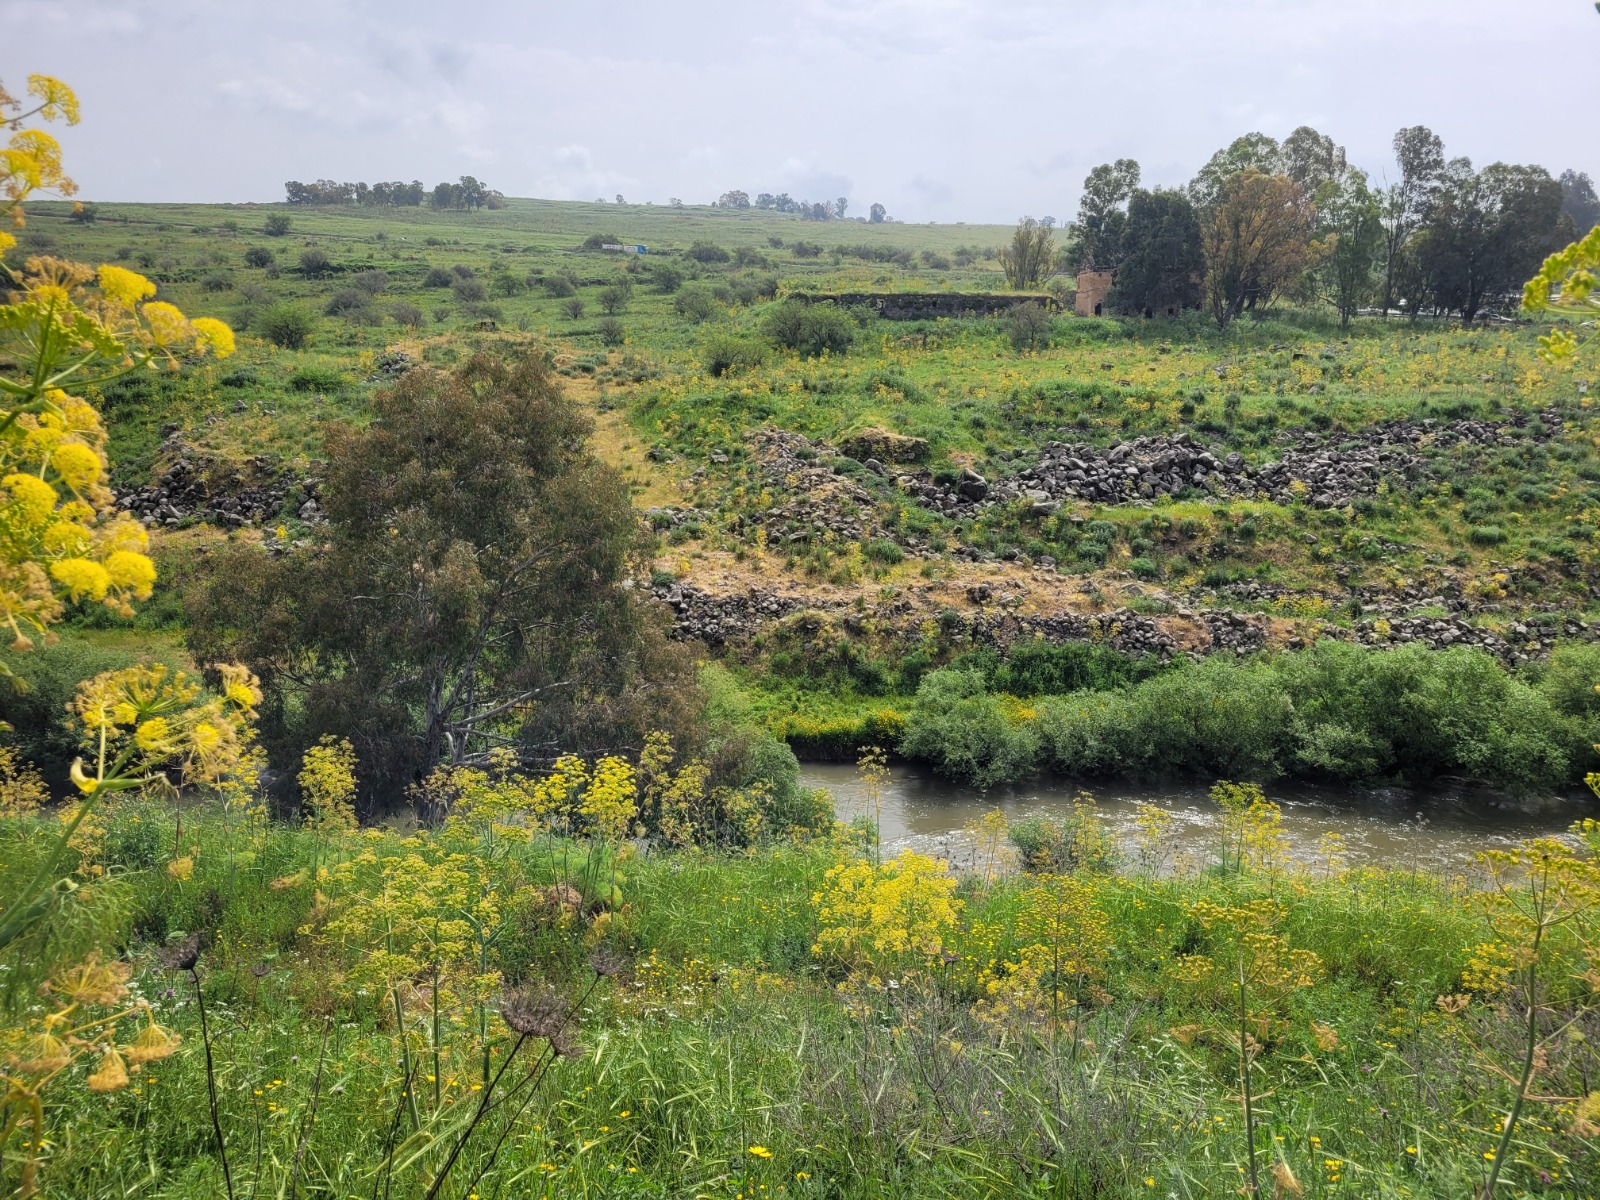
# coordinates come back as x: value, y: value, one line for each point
x: 1093, y: 288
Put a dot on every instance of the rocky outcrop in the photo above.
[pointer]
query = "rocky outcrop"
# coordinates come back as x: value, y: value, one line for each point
x: 816, y: 501
x: 1324, y: 469
x: 884, y: 446
x: 197, y: 486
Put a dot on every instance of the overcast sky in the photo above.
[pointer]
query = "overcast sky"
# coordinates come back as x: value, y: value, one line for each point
x: 976, y: 110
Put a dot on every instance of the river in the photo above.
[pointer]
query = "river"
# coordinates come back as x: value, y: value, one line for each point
x: 1440, y: 829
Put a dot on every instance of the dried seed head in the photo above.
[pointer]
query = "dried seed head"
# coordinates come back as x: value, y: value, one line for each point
x: 154, y: 1042
x: 535, y: 1011
x: 1285, y: 1184
x: 92, y: 981
x: 608, y: 962
x: 41, y: 1054
x: 112, y: 1075
x: 181, y: 956
x: 561, y: 1042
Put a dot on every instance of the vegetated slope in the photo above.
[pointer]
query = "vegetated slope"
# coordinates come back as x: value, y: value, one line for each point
x: 1154, y: 487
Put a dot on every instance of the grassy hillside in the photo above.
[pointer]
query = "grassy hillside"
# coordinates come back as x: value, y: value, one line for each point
x: 1382, y: 483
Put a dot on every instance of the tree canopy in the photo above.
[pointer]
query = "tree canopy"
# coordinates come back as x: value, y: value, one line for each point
x: 470, y: 589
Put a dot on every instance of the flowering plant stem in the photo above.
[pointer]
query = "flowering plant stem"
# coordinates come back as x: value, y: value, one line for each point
x: 211, y: 1082
x: 29, y: 905
x: 1244, y: 1083
x: 1528, y: 1058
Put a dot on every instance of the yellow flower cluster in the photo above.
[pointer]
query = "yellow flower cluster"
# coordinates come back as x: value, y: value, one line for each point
x: 1250, y: 948
x: 328, y: 785
x: 674, y: 801
x: 1066, y: 938
x: 61, y: 538
x: 74, y: 1030
x: 1252, y: 828
x: 886, y: 913
x: 1565, y: 284
x: 611, y: 801
x: 31, y: 160
x: 145, y: 720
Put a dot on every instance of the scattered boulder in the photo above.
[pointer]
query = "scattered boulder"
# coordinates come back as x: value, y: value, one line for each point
x: 885, y: 446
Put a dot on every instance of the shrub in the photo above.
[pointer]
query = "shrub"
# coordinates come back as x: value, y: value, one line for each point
x: 462, y: 271
x: 752, y: 289
x: 407, y: 314
x: 611, y: 331
x: 573, y: 308
x: 721, y: 353
x: 438, y: 277
x: 1486, y: 535
x: 810, y: 329
x: 217, y: 281
x: 707, y: 252
x: 747, y: 256
x: 314, y: 264
x: 285, y: 325
x: 614, y: 297
x: 371, y: 281
x: 559, y: 286
x: 1568, y: 680
x: 696, y: 302
x: 595, y: 240
x: 469, y: 291
x: 842, y: 738
x: 882, y: 550
x: 505, y: 285
x: 667, y: 277
x: 1144, y: 568
x: 259, y: 256
x: 1028, y: 326
x: 965, y: 733
x: 1040, y: 668
x: 347, y: 300
x: 277, y: 225
x: 1077, y: 842
x: 806, y: 250
x: 312, y: 378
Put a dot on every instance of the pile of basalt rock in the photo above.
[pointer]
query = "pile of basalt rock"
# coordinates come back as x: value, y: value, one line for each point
x: 194, y: 486
x: 1325, y: 469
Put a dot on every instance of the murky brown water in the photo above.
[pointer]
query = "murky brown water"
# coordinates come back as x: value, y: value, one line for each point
x: 1439, y: 829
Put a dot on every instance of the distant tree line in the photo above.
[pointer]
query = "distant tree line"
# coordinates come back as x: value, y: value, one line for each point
x: 819, y: 210
x: 1265, y: 220
x: 466, y: 193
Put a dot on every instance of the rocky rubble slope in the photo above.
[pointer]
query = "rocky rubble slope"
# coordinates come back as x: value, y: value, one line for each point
x: 1326, y: 469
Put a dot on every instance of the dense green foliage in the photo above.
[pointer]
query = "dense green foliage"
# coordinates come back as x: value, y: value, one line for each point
x: 467, y: 594
x: 1336, y: 712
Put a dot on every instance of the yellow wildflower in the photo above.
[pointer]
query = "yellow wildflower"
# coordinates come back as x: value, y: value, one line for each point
x: 211, y: 334
x: 32, y: 497
x: 131, y: 571
x: 125, y: 287
x: 168, y: 326
x: 82, y: 577
x: 79, y: 466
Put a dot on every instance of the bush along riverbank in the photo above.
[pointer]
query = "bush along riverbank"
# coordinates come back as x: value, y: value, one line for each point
x: 608, y: 982
x: 1335, y: 712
